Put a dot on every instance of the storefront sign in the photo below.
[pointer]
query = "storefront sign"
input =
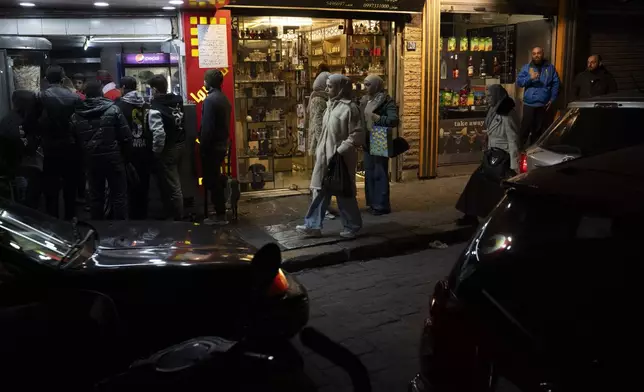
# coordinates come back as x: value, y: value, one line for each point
x: 363, y: 5
x: 149, y: 59
x: 461, y: 140
x: 195, y: 72
x: 213, y: 46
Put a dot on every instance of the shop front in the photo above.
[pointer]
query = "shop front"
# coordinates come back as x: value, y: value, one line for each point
x: 274, y: 60
x: 477, y: 50
x: 135, y: 47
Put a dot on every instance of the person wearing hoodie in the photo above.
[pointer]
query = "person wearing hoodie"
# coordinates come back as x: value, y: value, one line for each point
x: 106, y: 138
x: 167, y: 124
x: 109, y: 87
x: 342, y: 133
x: 594, y: 81
x: 214, y: 138
x: 541, y: 82
x: 134, y: 108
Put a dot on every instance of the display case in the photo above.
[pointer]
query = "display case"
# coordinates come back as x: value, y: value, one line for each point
x: 471, y: 59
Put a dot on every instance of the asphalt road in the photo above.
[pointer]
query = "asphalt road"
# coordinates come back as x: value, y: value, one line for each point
x: 376, y: 309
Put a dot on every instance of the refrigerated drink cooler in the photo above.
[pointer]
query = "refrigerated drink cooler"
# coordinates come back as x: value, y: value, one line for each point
x: 143, y: 66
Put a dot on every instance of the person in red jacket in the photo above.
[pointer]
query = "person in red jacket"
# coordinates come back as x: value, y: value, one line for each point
x: 110, y: 91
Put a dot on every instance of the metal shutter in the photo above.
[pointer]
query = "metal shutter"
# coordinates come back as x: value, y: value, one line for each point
x: 534, y: 7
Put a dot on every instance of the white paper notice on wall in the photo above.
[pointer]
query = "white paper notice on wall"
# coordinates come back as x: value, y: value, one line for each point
x: 213, y: 46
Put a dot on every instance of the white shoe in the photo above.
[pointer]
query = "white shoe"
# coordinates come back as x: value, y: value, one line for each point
x: 329, y: 216
x: 349, y: 234
x: 308, y: 232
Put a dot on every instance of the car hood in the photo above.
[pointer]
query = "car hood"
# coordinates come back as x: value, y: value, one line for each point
x: 178, y: 244
x: 613, y: 179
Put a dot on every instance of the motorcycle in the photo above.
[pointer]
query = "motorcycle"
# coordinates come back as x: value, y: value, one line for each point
x: 215, y: 363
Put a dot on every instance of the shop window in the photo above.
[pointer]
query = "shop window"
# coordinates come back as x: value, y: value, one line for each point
x: 277, y: 59
x: 477, y: 51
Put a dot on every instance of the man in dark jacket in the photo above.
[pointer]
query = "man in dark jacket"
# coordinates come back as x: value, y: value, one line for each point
x: 594, y: 81
x: 13, y: 132
x: 61, y: 152
x: 106, y: 138
x: 541, y: 82
x: 167, y: 124
x: 134, y: 109
x: 214, y: 136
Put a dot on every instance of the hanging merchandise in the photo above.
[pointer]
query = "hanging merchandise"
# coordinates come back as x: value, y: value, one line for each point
x: 463, y: 45
x: 496, y: 67
x: 455, y: 71
x: 443, y: 69
x: 451, y: 44
x: 488, y: 44
x: 474, y: 44
x: 440, y: 44
x: 470, y: 67
x: 482, y: 69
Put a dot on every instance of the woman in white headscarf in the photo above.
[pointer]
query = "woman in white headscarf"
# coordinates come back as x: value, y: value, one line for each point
x: 481, y: 194
x: 342, y: 133
x: 316, y: 109
x: 378, y: 109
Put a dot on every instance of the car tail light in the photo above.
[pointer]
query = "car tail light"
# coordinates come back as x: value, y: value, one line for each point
x: 523, y: 163
x: 279, y: 285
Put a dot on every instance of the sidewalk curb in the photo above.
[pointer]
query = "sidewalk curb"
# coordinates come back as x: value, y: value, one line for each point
x: 373, y: 247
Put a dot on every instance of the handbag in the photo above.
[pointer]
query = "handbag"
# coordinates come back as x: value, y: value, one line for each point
x: 337, y: 180
x: 496, y: 164
x: 381, y: 142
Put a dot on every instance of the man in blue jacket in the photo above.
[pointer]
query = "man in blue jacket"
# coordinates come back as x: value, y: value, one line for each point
x: 541, y: 83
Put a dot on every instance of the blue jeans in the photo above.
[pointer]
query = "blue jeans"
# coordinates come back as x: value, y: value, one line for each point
x: 376, y: 187
x: 349, y: 211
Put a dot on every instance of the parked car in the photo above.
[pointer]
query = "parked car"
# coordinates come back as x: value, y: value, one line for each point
x: 545, y: 295
x: 128, y: 289
x: 589, y: 127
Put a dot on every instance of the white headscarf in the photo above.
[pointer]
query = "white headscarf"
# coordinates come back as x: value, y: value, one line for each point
x: 344, y: 85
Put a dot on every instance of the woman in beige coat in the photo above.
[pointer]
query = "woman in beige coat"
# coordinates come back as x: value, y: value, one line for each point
x: 342, y: 132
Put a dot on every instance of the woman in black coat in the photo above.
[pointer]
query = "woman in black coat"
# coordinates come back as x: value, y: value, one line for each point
x: 483, y: 191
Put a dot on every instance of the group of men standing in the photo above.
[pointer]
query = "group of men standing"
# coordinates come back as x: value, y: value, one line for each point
x: 541, y: 82
x: 118, y: 142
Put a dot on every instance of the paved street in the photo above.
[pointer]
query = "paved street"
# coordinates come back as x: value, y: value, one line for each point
x: 376, y: 309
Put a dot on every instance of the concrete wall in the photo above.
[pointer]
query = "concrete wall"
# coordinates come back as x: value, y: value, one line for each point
x: 410, y: 112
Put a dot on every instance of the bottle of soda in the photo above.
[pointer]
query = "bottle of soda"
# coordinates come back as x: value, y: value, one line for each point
x: 470, y: 67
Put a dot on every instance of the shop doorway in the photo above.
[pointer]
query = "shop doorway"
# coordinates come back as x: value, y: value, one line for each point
x: 277, y: 59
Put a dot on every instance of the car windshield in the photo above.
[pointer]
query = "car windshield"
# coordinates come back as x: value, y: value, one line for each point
x: 591, y: 131
x: 38, y: 236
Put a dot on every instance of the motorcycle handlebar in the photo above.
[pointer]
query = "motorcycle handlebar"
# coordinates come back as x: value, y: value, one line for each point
x: 338, y: 355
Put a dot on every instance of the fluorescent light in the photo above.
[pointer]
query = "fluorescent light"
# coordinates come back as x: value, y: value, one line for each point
x: 130, y: 38
x: 27, y: 4
x: 281, y: 21
x: 176, y: 2
x: 101, y: 4
x: 169, y: 8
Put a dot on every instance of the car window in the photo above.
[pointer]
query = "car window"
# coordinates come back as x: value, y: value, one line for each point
x: 35, y: 235
x: 591, y: 131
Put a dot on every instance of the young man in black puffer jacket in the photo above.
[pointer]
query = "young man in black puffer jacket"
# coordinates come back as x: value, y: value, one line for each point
x: 106, y: 139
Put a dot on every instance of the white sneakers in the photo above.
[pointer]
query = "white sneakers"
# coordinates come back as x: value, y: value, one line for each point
x: 308, y: 232
x: 317, y: 233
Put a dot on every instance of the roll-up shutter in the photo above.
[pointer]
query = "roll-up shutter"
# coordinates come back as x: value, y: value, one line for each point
x: 615, y: 31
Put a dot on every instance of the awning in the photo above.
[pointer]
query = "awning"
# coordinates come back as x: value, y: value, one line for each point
x: 389, y: 6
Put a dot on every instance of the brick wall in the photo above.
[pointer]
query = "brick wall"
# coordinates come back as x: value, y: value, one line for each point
x: 410, y: 116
